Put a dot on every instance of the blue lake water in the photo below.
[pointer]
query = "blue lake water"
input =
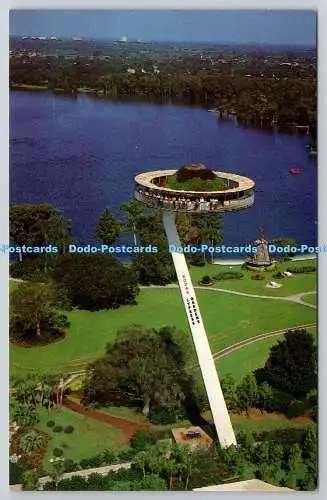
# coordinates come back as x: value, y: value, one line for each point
x: 81, y: 155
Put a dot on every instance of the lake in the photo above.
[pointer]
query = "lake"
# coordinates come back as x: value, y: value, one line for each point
x: 81, y: 155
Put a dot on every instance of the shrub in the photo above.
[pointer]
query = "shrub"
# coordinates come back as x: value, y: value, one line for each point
x: 29, y: 270
x: 197, y: 260
x: 228, y: 275
x: 142, y: 440
x: 301, y: 269
x: 57, y: 428
x: 109, y: 457
x: 95, y: 461
x: 162, y: 415
x: 296, y: 408
x: 206, y: 280
x: 58, y: 452
x: 126, y: 454
x: 50, y: 423
x: 69, y: 429
x: 69, y: 465
x: 31, y: 441
x: 257, y: 277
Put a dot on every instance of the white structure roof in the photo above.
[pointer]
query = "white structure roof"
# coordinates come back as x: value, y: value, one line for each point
x: 250, y: 485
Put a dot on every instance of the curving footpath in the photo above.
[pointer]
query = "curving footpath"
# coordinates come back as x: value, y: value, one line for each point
x: 251, y: 340
x: 257, y: 338
x: 290, y: 298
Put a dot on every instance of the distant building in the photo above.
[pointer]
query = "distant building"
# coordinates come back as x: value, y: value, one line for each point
x: 123, y: 39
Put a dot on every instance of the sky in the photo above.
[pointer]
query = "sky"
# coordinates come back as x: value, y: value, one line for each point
x: 234, y: 26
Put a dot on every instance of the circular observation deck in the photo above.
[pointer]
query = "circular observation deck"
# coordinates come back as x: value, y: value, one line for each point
x: 237, y: 193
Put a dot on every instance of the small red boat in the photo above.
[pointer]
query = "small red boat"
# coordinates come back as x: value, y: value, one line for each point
x: 295, y: 171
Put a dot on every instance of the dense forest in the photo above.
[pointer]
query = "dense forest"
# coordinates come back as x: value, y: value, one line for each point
x: 263, y: 89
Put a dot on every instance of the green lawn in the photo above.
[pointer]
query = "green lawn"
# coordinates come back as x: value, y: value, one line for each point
x: 89, y: 437
x: 118, y: 411
x: 268, y: 423
x: 311, y: 298
x: 243, y: 361
x: 296, y: 284
x: 227, y: 318
x: 239, y: 363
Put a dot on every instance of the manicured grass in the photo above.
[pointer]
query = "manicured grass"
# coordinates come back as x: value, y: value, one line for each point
x: 311, y: 298
x: 118, y: 411
x: 227, y: 318
x: 243, y: 361
x: 89, y: 437
x: 269, y: 422
x: 124, y: 413
x: 298, y: 283
x: 256, y: 422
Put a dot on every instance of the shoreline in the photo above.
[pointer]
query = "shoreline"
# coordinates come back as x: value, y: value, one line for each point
x: 294, y: 128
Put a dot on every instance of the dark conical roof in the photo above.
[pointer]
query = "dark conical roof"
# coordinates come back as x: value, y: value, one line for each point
x: 194, y: 170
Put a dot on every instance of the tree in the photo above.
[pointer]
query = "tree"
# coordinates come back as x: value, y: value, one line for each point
x: 265, y: 397
x: 37, y: 225
x: 154, y: 268
x: 130, y: 373
x: 209, y: 230
x: 247, y: 392
x: 228, y: 386
x: 185, y: 462
x: 32, y: 314
x: 292, y: 364
x: 30, y: 480
x: 140, y: 461
x: 134, y: 213
x: 152, y: 482
x: 108, y: 228
x: 94, y: 282
x: 58, y: 469
x: 310, y: 444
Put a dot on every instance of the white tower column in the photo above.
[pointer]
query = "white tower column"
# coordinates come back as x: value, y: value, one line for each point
x: 217, y: 403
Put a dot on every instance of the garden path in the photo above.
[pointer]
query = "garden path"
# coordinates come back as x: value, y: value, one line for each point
x: 290, y: 298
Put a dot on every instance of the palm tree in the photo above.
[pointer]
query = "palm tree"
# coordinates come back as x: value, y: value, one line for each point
x: 133, y: 212
x: 140, y: 460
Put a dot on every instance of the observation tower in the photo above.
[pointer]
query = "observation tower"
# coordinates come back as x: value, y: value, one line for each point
x: 196, y: 189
